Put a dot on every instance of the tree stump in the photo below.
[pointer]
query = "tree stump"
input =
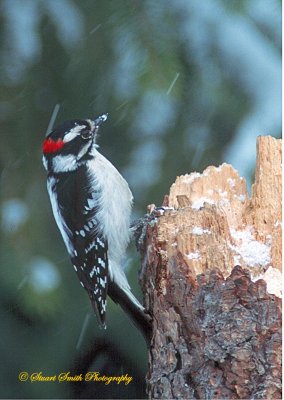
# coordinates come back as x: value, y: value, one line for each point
x: 211, y: 278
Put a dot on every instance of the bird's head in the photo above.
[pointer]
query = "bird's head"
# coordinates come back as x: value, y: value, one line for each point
x: 70, y: 144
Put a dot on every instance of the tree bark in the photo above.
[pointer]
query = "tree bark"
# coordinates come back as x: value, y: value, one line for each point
x: 211, y: 278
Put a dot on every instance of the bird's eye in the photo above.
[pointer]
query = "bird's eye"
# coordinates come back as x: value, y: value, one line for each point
x: 85, y: 134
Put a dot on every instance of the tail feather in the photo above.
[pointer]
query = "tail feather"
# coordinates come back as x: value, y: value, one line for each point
x: 128, y: 302
x: 101, y: 318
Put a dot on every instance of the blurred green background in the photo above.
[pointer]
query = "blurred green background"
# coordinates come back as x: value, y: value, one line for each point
x: 186, y: 84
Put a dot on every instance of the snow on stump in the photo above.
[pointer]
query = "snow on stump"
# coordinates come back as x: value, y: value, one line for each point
x: 211, y: 277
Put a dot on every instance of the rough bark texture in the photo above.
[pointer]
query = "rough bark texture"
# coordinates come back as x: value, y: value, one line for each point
x: 211, y: 270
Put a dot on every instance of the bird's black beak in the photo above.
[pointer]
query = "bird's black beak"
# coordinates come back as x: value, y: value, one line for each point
x: 98, y: 121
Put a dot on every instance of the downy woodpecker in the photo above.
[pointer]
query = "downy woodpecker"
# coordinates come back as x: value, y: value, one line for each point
x: 91, y: 204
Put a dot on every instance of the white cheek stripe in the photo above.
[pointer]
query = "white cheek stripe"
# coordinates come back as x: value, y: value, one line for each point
x: 64, y: 163
x: 73, y: 133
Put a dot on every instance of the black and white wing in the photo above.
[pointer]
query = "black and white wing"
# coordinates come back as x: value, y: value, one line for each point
x: 75, y: 209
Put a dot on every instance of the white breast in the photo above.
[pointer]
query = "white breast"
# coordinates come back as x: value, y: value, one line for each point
x: 114, y: 206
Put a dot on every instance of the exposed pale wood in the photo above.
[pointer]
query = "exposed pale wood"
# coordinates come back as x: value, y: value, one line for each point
x: 215, y: 322
x: 228, y: 215
x: 266, y: 201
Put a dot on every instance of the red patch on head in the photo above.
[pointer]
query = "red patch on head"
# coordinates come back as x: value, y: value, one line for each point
x: 51, y: 146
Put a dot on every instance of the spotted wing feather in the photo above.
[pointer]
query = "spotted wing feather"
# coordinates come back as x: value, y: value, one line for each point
x: 78, y: 206
x: 91, y: 266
